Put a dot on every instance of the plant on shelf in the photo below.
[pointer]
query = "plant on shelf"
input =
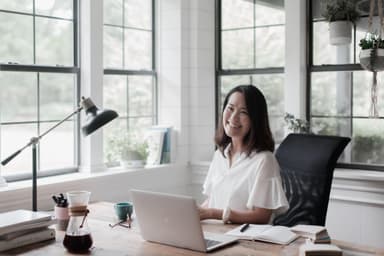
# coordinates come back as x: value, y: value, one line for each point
x: 296, y: 125
x: 371, y: 41
x: 131, y: 151
x: 341, y: 15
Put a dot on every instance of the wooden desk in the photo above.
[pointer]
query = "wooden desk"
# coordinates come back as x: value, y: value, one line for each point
x: 123, y: 241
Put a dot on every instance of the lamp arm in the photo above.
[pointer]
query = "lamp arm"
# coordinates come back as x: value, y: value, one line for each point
x: 59, y: 123
x: 35, y: 140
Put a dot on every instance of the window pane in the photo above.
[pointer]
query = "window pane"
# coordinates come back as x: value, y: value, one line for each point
x: 324, y: 52
x: 115, y: 93
x: 55, y: 8
x: 237, y: 49
x: 140, y: 125
x: 138, y: 13
x: 57, y: 147
x: 331, y: 126
x: 14, y: 137
x: 113, y: 47
x: 362, y: 83
x: 140, y: 96
x: 268, y: 15
x: 127, y: 46
x: 54, y: 42
x: 18, y: 96
x: 57, y: 95
x: 16, y: 35
x: 18, y: 6
x: 270, y: 47
x: 138, y: 49
x: 112, y: 133
x: 368, y: 141
x: 236, y: 14
x: 113, y: 12
x: 331, y: 93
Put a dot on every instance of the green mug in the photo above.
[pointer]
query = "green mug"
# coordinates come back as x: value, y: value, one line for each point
x: 123, y: 210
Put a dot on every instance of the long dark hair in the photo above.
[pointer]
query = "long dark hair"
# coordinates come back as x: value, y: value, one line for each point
x: 259, y: 137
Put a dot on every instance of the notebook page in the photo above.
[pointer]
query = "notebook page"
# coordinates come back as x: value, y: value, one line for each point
x: 278, y: 234
x: 250, y: 233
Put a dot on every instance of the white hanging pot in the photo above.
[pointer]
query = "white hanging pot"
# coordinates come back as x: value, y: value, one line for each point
x: 340, y: 32
x: 372, y: 59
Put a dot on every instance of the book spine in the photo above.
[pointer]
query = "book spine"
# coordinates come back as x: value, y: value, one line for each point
x: 27, y: 239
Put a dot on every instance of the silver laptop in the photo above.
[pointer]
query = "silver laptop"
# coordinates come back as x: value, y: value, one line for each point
x: 174, y: 220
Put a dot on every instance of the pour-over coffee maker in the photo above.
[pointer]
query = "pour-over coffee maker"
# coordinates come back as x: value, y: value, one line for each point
x: 78, y: 237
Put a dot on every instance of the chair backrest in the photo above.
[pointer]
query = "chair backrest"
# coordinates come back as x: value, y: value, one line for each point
x: 307, y: 162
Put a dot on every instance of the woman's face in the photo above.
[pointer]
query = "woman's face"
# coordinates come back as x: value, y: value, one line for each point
x: 236, y: 121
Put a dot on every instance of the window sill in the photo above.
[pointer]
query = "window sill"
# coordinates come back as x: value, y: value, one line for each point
x: 360, y: 175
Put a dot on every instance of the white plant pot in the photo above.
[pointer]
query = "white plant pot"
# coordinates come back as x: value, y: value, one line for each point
x: 368, y: 62
x: 127, y: 164
x: 340, y: 32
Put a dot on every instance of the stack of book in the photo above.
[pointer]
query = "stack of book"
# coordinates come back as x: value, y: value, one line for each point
x: 317, y: 234
x: 310, y: 249
x: 23, y: 227
x: 160, y: 145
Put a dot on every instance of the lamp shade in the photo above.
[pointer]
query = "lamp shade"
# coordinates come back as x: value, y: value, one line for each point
x: 95, y: 118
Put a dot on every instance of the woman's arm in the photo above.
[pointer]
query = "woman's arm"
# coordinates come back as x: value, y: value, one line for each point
x: 256, y: 216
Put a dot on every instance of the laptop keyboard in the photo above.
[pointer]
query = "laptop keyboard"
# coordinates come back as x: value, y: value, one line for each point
x: 209, y: 243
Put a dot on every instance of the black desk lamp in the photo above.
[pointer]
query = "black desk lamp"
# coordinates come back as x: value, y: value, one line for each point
x: 95, y: 118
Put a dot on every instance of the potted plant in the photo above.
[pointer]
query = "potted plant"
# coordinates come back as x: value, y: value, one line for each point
x: 372, y: 52
x: 296, y: 125
x: 341, y: 15
x: 130, y: 150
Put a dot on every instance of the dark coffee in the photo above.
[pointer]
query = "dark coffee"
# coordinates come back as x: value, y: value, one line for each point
x: 78, y: 244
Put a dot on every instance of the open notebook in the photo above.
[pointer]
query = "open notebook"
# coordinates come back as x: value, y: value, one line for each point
x: 266, y: 233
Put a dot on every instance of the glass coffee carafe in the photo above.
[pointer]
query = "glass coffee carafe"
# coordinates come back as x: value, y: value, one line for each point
x: 78, y: 237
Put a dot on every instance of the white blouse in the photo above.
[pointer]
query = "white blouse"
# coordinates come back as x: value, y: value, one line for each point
x: 250, y: 182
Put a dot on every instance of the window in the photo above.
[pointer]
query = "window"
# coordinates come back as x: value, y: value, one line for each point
x: 339, y: 100
x: 38, y: 81
x: 129, y: 71
x: 251, y: 50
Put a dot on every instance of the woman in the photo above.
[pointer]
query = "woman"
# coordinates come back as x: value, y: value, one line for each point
x: 243, y: 184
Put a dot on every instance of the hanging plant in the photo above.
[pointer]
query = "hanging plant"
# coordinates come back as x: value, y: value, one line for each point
x: 372, y: 53
x: 341, y: 15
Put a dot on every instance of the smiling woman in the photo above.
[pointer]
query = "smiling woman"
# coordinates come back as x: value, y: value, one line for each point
x: 243, y: 184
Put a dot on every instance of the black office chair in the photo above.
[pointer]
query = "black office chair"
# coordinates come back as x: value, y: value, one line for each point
x: 307, y: 162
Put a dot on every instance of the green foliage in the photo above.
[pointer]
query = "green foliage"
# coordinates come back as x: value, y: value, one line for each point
x: 371, y: 41
x: 127, y: 145
x: 296, y: 125
x: 337, y: 10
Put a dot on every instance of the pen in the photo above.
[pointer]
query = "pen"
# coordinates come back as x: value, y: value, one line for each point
x: 243, y: 228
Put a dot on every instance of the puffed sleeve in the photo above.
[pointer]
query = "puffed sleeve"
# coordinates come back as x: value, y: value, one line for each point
x: 266, y: 190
